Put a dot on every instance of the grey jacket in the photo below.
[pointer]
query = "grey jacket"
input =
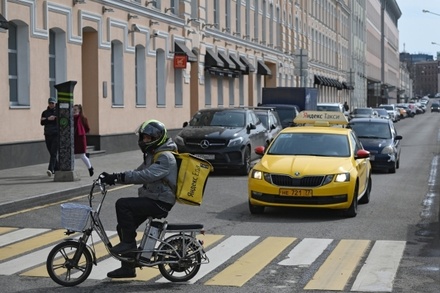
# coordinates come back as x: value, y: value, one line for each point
x: 156, y: 177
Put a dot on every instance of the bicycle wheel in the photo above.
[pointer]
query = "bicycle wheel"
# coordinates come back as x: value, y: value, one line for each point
x: 61, y: 267
x: 181, y: 264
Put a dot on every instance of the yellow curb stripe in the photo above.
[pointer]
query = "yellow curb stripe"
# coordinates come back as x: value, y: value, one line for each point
x: 339, y: 266
x: 252, y: 262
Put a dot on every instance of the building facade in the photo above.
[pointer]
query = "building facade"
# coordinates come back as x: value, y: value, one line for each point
x: 136, y: 60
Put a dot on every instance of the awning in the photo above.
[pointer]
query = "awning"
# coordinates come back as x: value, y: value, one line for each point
x: 262, y: 68
x: 240, y: 66
x: 249, y: 66
x: 223, y: 72
x: 4, y: 24
x: 212, y: 59
x: 346, y: 86
x: 180, y: 47
x: 318, y: 80
x: 226, y: 60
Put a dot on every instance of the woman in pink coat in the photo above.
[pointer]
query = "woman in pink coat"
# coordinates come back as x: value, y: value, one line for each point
x: 81, y: 126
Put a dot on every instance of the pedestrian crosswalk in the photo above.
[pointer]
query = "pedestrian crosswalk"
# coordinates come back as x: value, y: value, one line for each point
x: 329, y: 264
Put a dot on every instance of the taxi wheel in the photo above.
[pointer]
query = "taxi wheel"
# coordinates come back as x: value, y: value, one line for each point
x: 255, y: 210
x: 351, y: 212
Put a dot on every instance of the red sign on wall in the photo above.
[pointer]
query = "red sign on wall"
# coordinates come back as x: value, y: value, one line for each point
x: 180, y: 60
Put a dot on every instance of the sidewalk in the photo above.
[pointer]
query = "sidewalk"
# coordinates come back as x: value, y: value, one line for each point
x: 25, y: 187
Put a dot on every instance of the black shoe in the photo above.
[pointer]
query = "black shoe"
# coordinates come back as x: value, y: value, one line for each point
x: 91, y: 171
x: 87, y: 155
x: 123, y: 247
x: 122, y: 272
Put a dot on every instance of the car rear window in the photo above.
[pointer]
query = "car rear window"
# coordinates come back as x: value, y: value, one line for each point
x: 371, y: 129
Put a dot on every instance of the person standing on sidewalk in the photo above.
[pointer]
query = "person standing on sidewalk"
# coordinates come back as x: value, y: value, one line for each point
x: 81, y: 127
x: 156, y: 195
x: 49, y: 121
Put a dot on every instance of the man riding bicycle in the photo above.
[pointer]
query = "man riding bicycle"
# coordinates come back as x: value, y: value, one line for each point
x: 156, y: 195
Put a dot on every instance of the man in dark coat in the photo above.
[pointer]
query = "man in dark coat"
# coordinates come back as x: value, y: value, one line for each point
x: 49, y: 121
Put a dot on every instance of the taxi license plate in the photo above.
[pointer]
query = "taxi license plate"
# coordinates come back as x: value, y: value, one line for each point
x: 296, y: 192
x: 205, y: 156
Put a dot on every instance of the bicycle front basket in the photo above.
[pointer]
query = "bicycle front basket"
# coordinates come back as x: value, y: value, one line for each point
x: 74, y: 217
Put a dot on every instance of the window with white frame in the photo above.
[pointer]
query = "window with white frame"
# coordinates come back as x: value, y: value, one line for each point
x: 161, y: 77
x: 140, y: 76
x: 18, y: 59
x: 263, y: 22
x: 52, y: 61
x: 256, y: 22
x: 117, y: 69
x: 57, y: 59
x: 228, y: 16
x: 238, y: 18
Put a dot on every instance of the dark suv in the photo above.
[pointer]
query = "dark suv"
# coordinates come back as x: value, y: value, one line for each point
x: 223, y: 136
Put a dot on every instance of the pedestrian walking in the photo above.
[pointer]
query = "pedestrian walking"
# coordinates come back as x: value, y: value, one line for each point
x: 49, y: 121
x: 346, y: 107
x: 81, y: 127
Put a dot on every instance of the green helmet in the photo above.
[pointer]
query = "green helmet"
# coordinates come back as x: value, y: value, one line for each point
x: 156, y: 130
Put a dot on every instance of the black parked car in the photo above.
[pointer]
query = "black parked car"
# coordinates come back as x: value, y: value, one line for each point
x: 379, y: 137
x: 225, y: 137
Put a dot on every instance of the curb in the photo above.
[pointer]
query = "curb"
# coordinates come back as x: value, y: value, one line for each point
x: 42, y: 199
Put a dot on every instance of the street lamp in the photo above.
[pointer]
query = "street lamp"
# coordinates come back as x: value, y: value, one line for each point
x: 427, y: 11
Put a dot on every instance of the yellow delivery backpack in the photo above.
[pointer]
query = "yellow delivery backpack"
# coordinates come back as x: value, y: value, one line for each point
x: 192, y: 176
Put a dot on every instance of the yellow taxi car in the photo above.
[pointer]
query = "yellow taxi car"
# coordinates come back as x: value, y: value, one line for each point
x: 321, y: 164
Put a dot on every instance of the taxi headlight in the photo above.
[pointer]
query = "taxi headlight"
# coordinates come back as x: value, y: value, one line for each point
x: 343, y: 177
x: 257, y: 174
x: 235, y: 141
x: 387, y: 150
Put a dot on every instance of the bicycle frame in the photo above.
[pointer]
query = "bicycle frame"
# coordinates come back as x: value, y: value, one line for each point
x: 186, y: 233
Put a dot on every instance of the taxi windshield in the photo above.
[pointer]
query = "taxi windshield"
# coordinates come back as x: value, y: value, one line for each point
x: 310, y: 144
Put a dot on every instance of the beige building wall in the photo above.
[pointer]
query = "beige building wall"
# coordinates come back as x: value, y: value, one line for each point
x: 268, y: 35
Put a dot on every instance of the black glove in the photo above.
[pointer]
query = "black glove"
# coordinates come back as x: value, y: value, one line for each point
x: 109, y: 179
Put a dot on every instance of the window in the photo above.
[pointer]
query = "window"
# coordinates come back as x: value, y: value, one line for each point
x: 194, y: 8
x: 256, y: 22
x: 18, y: 59
x: 52, y: 61
x: 238, y: 17
x: 219, y: 91
x: 160, y: 77
x: 57, y: 60
x: 117, y: 70
x: 231, y: 91
x: 140, y: 76
x: 178, y: 87
x: 228, y: 16
x: 208, y: 101
x: 216, y: 13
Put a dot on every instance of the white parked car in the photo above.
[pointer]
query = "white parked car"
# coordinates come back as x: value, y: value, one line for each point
x: 392, y: 111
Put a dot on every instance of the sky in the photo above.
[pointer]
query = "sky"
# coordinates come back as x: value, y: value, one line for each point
x: 418, y: 29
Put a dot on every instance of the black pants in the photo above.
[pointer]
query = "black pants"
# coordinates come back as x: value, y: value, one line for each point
x: 131, y: 212
x: 52, y: 147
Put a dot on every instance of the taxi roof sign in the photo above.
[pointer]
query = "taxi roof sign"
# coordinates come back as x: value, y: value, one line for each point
x: 321, y: 118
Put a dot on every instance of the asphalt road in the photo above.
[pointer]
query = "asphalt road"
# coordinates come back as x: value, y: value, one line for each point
x: 404, y: 208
